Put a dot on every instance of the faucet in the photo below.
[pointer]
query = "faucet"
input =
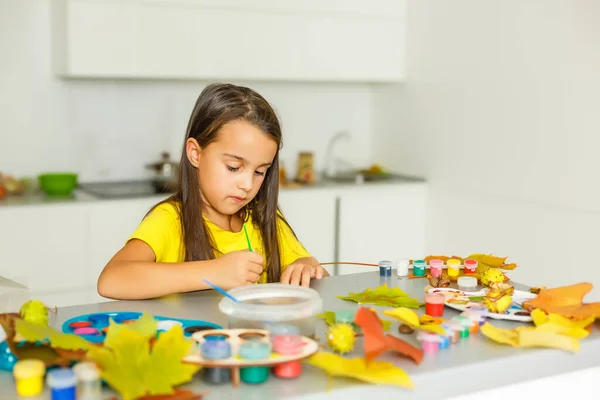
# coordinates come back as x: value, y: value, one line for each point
x: 331, y: 162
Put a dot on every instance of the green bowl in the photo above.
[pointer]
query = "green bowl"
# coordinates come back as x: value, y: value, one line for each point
x: 58, y: 184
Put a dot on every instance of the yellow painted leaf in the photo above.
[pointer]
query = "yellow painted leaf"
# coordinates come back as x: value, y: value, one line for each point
x: 32, y: 332
x: 500, y: 335
x: 411, y: 318
x: 573, y: 332
x: 539, y: 317
x: 134, y: 369
x: 377, y: 372
x: 145, y: 325
x: 486, y: 261
x: 533, y: 337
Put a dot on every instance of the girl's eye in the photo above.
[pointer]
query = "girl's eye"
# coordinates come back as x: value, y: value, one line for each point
x: 232, y: 169
x: 259, y: 173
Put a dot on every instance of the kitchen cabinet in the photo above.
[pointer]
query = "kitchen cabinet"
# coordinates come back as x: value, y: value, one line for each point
x: 285, y: 40
x: 385, y: 222
x: 311, y: 214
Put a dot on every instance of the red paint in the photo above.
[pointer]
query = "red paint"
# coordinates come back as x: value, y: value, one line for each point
x: 470, y: 266
x: 434, y: 310
x: 287, y: 344
x: 288, y: 370
x: 80, y: 324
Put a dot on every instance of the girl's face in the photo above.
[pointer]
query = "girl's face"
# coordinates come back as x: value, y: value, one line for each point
x: 232, y: 168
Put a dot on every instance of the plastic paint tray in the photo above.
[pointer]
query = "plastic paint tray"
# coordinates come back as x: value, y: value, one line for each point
x: 261, y: 305
x: 99, y: 321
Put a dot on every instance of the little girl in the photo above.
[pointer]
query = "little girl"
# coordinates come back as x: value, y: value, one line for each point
x: 228, y: 186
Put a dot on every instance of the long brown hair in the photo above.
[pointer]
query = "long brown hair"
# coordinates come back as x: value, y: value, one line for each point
x: 217, y: 105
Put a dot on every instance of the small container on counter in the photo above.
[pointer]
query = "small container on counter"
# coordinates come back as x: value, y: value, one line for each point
x: 453, y: 267
x: 287, y: 345
x: 89, y: 385
x: 216, y: 350
x: 62, y: 383
x: 434, y: 304
x: 402, y: 267
x: 29, y: 377
x: 467, y: 283
x: 419, y: 267
x: 385, y: 268
x: 430, y: 342
x: 470, y: 266
x: 436, y: 267
x: 254, y: 350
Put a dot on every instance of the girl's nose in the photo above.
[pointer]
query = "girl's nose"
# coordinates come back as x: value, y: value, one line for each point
x: 245, y: 182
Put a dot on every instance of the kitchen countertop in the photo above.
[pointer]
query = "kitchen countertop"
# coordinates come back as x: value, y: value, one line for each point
x: 486, y: 364
x: 82, y: 196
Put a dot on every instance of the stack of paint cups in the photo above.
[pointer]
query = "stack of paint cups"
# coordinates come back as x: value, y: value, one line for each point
x: 254, y: 350
x: 216, y: 350
x: 419, y: 267
x: 287, y: 345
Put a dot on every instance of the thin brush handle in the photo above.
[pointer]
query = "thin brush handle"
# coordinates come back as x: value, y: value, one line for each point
x: 218, y: 289
x: 247, y: 238
x: 349, y: 263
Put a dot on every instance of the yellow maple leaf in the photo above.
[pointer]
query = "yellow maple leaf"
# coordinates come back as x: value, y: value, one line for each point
x: 377, y: 372
x: 132, y: 368
x: 530, y: 337
x: 486, y: 261
x: 34, y: 332
x: 410, y: 318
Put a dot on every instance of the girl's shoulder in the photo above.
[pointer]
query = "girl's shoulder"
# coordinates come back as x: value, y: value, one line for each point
x: 169, y: 210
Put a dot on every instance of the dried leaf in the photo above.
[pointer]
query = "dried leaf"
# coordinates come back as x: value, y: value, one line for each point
x: 559, y: 324
x: 383, y: 296
x: 566, y: 301
x: 376, y: 342
x: 134, y: 369
x: 329, y: 318
x: 530, y: 337
x: 145, y: 325
x: 486, y: 261
x: 376, y: 372
x: 411, y: 318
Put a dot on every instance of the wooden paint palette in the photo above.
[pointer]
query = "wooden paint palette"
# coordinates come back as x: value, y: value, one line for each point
x: 93, y: 327
x: 462, y: 301
x: 236, y: 337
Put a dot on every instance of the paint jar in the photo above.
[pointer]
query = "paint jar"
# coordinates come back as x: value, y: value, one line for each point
x: 470, y: 266
x: 453, y: 267
x: 345, y: 317
x: 419, y: 267
x: 474, y: 317
x: 254, y: 350
x: 434, y: 304
x: 214, y: 350
x: 29, y: 376
x: 62, y: 383
x: 89, y: 385
x: 429, y: 342
x: 453, y: 330
x: 402, y: 265
x: 465, y: 325
x: 436, y: 267
x: 467, y: 283
x: 480, y: 311
x: 287, y: 345
x: 385, y: 268
x: 7, y: 358
x: 444, y: 341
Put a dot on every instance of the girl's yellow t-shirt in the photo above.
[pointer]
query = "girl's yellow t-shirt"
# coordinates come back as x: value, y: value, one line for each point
x: 161, y: 230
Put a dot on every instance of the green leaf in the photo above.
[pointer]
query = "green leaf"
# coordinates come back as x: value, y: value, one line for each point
x: 328, y: 316
x: 145, y: 325
x: 32, y: 332
x: 383, y: 296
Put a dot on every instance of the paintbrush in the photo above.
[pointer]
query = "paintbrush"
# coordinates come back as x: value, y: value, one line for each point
x: 223, y: 292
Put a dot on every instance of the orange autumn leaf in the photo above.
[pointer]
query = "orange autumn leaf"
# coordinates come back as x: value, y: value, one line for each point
x: 566, y: 301
x: 486, y: 261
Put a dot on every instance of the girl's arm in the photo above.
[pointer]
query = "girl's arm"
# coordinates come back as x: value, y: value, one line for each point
x: 134, y: 274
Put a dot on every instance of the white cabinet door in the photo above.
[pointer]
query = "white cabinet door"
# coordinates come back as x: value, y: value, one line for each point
x: 111, y: 224
x: 44, y: 247
x: 311, y: 214
x: 384, y: 222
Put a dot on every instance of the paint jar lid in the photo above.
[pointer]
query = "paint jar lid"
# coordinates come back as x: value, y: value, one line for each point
x: 427, y: 337
x: 420, y: 263
x: 216, y: 349
x: 469, y: 282
x: 436, y: 263
x: 287, y: 344
x: 25, y: 369
x: 464, y: 321
x: 254, y: 350
x: 61, y: 378
x: 86, y: 371
x: 385, y: 263
x: 453, y: 261
x: 345, y: 316
x: 470, y: 262
x: 434, y: 298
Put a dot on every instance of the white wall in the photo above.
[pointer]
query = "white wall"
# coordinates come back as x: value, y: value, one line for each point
x: 108, y: 130
x: 500, y: 112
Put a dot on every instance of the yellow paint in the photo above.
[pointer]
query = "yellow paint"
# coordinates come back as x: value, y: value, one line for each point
x: 29, y: 377
x: 453, y: 267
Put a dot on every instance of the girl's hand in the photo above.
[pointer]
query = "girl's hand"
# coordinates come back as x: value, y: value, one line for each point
x: 301, y: 271
x: 238, y: 268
